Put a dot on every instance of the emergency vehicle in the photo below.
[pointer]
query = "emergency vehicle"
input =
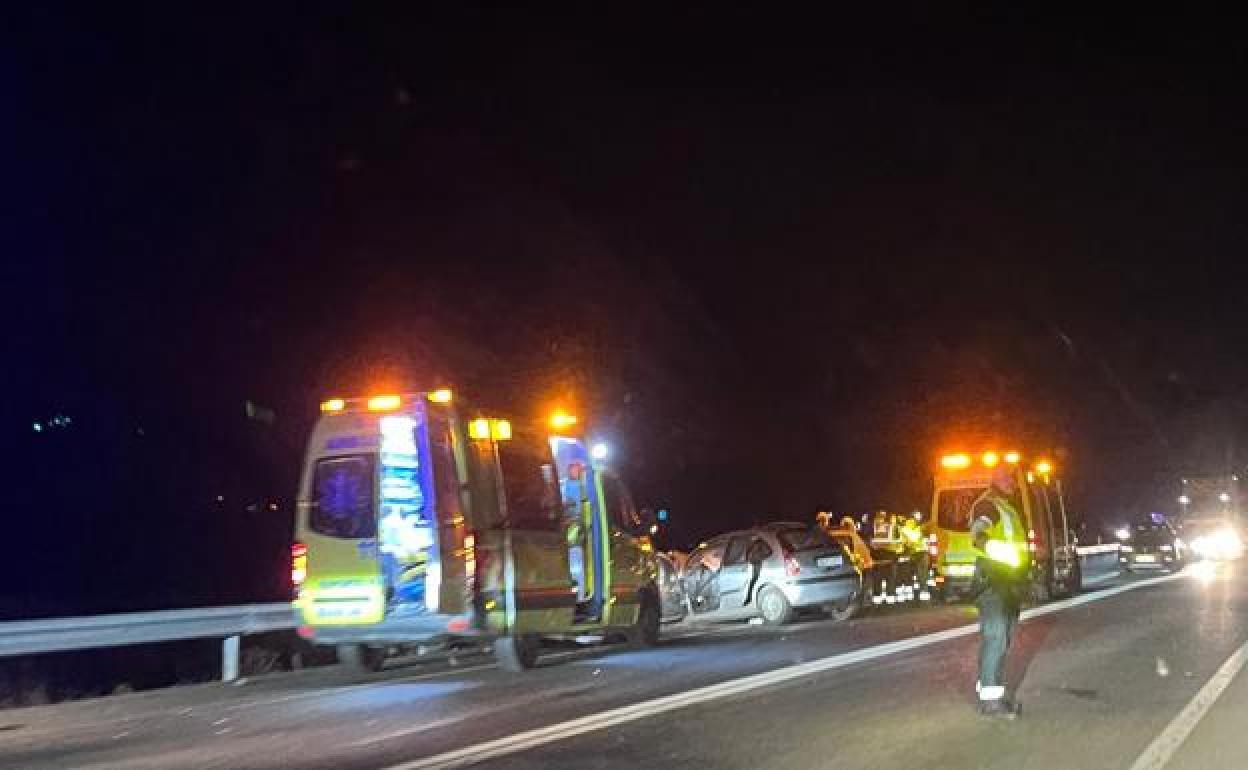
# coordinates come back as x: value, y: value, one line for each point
x: 417, y: 526
x: 960, y: 481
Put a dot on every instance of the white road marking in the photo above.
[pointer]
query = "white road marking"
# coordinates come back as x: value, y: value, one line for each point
x: 511, y: 744
x: 1168, y: 741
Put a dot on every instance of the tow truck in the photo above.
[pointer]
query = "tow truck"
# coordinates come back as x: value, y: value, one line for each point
x: 421, y: 525
x: 960, y: 481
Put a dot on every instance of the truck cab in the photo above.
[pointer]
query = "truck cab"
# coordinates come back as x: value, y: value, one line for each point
x: 418, y: 527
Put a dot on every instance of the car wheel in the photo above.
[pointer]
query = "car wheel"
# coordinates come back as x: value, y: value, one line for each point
x: 774, y: 607
x: 517, y: 653
x: 842, y: 613
x: 362, y: 656
x: 645, y: 631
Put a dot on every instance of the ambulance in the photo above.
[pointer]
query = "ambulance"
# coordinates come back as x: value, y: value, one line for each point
x: 421, y: 524
x: 960, y: 480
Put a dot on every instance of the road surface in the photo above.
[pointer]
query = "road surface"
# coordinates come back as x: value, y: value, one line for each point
x: 1141, y: 674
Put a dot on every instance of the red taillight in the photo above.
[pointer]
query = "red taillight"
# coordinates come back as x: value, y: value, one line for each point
x: 1031, y: 540
x: 298, y: 564
x: 933, y: 546
x: 791, y: 567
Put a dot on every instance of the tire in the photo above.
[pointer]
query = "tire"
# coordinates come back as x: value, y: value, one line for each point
x: 645, y: 631
x: 847, y: 612
x: 517, y: 653
x: 774, y: 606
x: 362, y: 656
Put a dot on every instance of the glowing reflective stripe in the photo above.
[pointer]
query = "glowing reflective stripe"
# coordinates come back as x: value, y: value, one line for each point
x: 1007, y: 523
x: 1004, y: 552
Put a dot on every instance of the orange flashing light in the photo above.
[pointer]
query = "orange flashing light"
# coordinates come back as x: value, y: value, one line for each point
x: 1012, y: 457
x: 333, y: 405
x: 955, y: 461
x: 1044, y: 467
x: 990, y: 459
x: 385, y: 403
x: 440, y: 396
x: 561, y: 420
x: 500, y: 430
x: 479, y: 429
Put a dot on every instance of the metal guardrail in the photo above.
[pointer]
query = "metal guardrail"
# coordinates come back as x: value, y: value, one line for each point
x: 29, y: 637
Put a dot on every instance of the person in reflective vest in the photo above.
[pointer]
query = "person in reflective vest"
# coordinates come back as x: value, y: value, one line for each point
x: 1002, y: 570
x: 916, y: 551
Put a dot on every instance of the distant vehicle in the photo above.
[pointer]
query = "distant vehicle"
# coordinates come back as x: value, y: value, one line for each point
x: 1214, y: 538
x: 960, y: 481
x: 772, y: 572
x: 1209, y: 496
x: 1151, y: 545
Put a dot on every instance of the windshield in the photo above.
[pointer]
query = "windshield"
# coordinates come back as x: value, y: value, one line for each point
x: 953, y: 508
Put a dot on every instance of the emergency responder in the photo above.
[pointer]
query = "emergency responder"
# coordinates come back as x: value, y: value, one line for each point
x: 1001, y: 579
x: 916, y: 553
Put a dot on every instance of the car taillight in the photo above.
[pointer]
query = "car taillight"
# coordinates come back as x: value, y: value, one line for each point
x: 791, y: 567
x: 298, y: 564
x: 1031, y: 540
x: 933, y: 546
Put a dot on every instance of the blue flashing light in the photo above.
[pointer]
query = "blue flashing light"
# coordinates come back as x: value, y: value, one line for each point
x: 662, y: 514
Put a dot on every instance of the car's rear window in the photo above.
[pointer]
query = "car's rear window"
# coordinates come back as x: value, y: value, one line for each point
x: 1146, y: 535
x: 800, y: 539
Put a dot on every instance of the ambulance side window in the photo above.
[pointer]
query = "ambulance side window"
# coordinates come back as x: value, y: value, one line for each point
x: 620, y: 509
x: 529, y: 484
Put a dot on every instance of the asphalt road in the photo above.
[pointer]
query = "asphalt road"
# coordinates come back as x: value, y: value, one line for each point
x: 1115, y: 676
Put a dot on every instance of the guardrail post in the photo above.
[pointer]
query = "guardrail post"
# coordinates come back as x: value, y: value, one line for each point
x: 229, y: 659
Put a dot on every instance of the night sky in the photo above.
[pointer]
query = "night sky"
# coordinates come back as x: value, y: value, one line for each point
x: 782, y: 263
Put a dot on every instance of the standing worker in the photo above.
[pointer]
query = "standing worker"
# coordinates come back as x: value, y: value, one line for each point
x: 1002, y: 572
x: 916, y: 553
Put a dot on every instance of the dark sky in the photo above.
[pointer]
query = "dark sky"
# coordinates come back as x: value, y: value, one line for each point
x: 783, y: 262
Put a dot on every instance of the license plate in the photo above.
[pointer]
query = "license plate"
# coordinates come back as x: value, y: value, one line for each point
x: 830, y: 561
x: 1143, y: 557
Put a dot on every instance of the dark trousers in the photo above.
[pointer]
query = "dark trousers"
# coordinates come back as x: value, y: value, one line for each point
x: 998, y: 615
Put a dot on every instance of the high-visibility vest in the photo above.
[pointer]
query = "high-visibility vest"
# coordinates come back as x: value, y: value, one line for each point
x: 1007, y: 536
